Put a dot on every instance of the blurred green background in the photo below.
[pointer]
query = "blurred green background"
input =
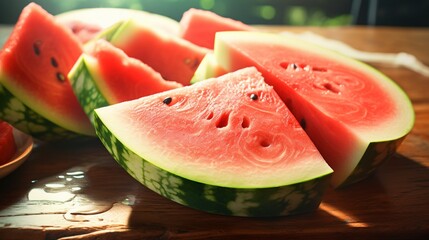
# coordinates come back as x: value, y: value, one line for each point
x: 288, y: 12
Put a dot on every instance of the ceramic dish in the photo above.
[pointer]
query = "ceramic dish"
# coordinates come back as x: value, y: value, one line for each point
x: 24, y: 144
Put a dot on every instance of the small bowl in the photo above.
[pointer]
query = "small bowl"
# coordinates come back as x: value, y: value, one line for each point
x: 24, y: 145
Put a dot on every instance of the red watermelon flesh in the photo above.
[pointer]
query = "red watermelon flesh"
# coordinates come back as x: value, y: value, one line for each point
x: 124, y: 78
x: 7, y: 142
x: 34, y: 65
x: 233, y: 131
x: 200, y: 26
x: 344, y: 105
x: 174, y: 58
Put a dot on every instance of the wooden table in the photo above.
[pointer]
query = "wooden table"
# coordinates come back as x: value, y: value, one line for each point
x: 103, y: 202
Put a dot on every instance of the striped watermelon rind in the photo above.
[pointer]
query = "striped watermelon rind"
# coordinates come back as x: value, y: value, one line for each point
x: 15, y: 112
x: 85, y: 88
x: 375, y: 155
x: 251, y: 202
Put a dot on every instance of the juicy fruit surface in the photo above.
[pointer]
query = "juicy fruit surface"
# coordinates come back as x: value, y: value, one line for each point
x: 105, y: 75
x: 200, y: 26
x: 34, y: 65
x: 344, y: 105
x: 127, y: 78
x: 174, y: 58
x: 252, y: 148
x: 343, y: 90
x: 240, y: 134
x: 7, y: 142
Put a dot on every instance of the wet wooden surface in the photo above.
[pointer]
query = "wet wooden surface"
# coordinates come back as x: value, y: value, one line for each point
x: 75, y: 190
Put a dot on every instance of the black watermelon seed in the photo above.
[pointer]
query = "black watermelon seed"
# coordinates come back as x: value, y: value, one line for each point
x: 54, y: 62
x: 60, y: 77
x: 254, y: 97
x: 294, y: 66
x: 36, y: 48
x: 303, y: 123
x: 167, y: 100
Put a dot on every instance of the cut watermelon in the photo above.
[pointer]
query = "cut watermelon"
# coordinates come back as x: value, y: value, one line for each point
x: 226, y: 145
x: 355, y: 115
x: 174, y: 58
x: 36, y: 95
x: 7, y: 142
x: 200, y: 26
x: 105, y: 75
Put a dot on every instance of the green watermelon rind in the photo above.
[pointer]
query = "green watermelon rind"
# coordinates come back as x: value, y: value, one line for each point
x: 85, y: 87
x: 204, y: 70
x: 109, y: 33
x: 22, y: 117
x: 377, y: 154
x: 292, y: 199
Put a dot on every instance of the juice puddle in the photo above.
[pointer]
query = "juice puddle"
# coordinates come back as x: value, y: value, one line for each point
x: 77, y: 197
x: 61, y: 188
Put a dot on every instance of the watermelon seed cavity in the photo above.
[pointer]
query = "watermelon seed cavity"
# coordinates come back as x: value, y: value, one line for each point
x: 264, y: 143
x: 297, y: 67
x: 319, y: 69
x: 223, y: 120
x: 245, y: 123
x: 331, y: 87
x: 210, y: 116
x: 334, y: 88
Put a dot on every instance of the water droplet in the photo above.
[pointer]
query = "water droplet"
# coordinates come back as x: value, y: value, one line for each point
x: 129, y: 200
x: 55, y: 185
x: 74, y: 173
x: 39, y: 194
x: 75, y: 189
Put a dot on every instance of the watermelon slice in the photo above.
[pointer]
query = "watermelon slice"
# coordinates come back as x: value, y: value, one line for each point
x: 7, y: 142
x: 226, y: 145
x: 173, y: 57
x: 105, y: 75
x: 200, y: 26
x: 35, y: 94
x: 354, y: 114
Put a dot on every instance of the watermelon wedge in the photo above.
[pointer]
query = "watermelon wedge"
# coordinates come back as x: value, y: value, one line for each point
x: 354, y: 114
x: 200, y: 26
x: 35, y: 94
x: 227, y: 145
x: 173, y: 57
x: 105, y: 75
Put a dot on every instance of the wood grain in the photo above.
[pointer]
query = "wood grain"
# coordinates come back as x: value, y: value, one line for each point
x: 392, y: 204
